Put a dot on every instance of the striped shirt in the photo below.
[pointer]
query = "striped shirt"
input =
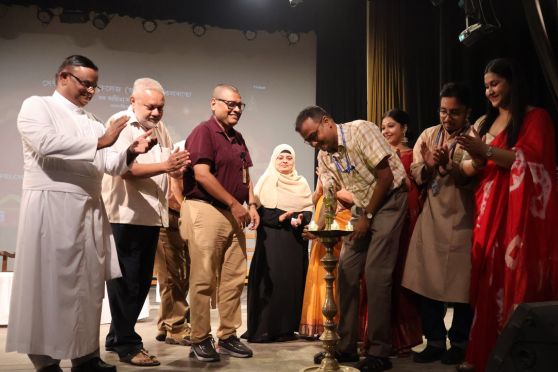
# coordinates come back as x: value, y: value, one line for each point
x: 361, y: 147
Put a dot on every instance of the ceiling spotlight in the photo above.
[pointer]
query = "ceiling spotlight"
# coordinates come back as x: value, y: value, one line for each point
x: 44, y: 16
x: 198, y: 30
x: 100, y: 21
x: 250, y: 35
x: 74, y: 16
x: 149, y: 25
x: 293, y: 37
x: 294, y: 3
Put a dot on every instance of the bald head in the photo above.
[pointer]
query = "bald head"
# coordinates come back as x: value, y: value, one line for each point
x: 226, y: 104
x: 221, y: 89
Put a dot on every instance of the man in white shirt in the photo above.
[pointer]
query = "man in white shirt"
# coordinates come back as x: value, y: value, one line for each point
x: 137, y: 207
x: 65, y: 249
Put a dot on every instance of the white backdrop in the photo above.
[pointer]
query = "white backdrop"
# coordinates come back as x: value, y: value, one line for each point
x: 275, y: 79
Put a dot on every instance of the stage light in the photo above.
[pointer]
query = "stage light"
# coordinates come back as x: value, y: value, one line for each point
x: 475, y: 32
x: 149, y: 25
x: 250, y: 35
x: 198, y: 30
x: 44, y: 16
x: 293, y: 37
x: 74, y: 16
x: 294, y: 3
x: 100, y: 21
x: 479, y: 27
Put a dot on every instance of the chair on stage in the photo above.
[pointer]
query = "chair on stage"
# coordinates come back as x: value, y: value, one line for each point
x: 5, y: 255
x: 6, y: 278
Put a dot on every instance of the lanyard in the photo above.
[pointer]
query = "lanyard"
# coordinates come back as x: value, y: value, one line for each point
x: 349, y: 167
x: 442, y: 135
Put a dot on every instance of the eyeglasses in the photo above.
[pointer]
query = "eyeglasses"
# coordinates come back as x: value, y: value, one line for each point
x: 232, y: 104
x: 85, y: 83
x: 313, y: 137
x: 452, y: 113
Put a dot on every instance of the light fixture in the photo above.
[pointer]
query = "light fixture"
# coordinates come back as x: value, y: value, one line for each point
x: 149, y: 25
x: 294, y: 3
x: 74, y: 16
x: 250, y: 35
x: 293, y: 37
x: 198, y: 30
x: 100, y: 21
x: 44, y: 16
x: 477, y: 30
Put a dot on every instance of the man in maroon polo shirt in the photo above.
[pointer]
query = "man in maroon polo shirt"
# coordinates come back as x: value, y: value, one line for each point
x: 213, y: 218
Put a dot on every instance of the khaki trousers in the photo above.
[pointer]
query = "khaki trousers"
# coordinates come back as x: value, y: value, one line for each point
x: 376, y: 254
x: 172, y: 264
x: 217, y: 247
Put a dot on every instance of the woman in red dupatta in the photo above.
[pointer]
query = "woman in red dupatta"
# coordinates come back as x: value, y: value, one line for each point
x: 515, y: 241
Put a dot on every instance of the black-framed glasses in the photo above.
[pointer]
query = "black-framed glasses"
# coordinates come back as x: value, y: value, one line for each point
x: 452, y: 113
x: 232, y: 104
x: 313, y: 137
x: 84, y: 83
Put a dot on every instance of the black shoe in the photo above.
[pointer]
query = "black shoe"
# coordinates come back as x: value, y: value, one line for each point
x: 339, y: 355
x: 161, y: 336
x: 373, y: 364
x: 94, y: 365
x: 205, y: 351
x: 286, y: 337
x: 455, y: 355
x: 51, y: 368
x: 429, y: 354
x: 233, y: 347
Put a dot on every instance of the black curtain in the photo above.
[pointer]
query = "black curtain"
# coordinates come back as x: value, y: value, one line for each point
x: 341, y: 58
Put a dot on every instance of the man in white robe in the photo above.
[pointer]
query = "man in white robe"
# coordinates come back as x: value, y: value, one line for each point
x: 65, y: 249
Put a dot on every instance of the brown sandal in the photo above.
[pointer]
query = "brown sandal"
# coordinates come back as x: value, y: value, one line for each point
x: 140, y: 358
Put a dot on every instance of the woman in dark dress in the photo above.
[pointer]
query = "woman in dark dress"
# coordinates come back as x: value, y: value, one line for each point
x: 278, y: 269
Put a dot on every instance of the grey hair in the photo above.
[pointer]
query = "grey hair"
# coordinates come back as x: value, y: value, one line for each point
x: 147, y: 83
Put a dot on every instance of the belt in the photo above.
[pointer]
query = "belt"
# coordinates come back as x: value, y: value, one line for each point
x: 212, y: 203
x: 402, y: 187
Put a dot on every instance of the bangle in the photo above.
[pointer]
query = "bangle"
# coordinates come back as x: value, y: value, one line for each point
x: 476, y: 165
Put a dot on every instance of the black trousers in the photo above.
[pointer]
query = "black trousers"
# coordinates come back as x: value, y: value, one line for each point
x: 432, y: 315
x: 136, y: 246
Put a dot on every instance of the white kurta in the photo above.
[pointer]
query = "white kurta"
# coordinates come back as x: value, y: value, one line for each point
x: 65, y: 249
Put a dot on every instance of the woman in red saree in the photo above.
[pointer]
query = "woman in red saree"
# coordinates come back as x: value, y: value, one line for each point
x: 515, y: 241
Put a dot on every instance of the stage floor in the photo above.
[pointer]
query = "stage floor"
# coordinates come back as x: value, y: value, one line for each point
x: 287, y: 356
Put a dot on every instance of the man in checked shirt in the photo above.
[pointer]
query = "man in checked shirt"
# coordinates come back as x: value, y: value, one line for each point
x: 359, y: 156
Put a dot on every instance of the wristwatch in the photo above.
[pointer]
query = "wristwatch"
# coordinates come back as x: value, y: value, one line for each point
x: 369, y: 215
x: 489, y: 152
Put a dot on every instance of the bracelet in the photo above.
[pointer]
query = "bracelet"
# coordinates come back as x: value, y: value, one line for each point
x: 476, y: 165
x: 253, y: 204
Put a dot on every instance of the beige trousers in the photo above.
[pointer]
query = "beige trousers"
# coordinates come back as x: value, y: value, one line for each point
x: 217, y: 247
x: 172, y: 264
